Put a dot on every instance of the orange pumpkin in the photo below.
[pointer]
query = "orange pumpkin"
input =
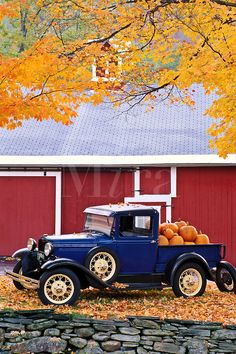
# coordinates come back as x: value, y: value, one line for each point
x: 202, y: 239
x: 189, y: 233
x: 168, y: 233
x: 162, y: 240
x: 176, y: 240
x: 173, y: 227
x: 189, y: 243
x: 168, y: 225
x: 162, y: 227
x: 180, y: 223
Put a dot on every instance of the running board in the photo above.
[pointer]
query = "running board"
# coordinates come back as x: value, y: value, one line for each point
x: 25, y: 281
x: 140, y: 286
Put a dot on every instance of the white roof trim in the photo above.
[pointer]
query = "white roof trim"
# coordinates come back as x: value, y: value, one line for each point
x: 115, y: 161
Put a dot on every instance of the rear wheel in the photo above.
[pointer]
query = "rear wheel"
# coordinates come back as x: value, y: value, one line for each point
x: 189, y: 280
x: 59, y: 287
x: 226, y: 277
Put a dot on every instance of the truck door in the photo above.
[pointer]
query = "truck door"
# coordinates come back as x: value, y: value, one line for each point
x: 136, y: 244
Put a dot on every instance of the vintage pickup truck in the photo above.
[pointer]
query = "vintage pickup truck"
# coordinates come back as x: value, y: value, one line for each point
x: 119, y: 244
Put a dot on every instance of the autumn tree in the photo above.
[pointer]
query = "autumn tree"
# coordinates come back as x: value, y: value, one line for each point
x: 165, y: 47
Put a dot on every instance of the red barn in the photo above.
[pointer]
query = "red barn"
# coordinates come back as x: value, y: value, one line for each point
x: 49, y: 173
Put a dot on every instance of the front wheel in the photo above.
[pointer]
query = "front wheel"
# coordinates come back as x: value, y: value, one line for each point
x: 18, y: 270
x: 59, y: 287
x: 189, y: 280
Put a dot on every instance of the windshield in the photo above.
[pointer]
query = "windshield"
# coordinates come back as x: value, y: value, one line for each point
x: 99, y: 223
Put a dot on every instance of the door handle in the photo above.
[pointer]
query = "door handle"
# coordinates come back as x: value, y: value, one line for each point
x: 153, y: 241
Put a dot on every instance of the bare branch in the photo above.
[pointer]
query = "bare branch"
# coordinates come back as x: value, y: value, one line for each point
x: 133, y: 99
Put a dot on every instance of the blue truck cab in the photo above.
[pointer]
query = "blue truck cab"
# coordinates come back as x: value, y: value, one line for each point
x: 119, y: 244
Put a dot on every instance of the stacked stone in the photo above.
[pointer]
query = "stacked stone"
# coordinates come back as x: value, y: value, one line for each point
x: 46, y: 332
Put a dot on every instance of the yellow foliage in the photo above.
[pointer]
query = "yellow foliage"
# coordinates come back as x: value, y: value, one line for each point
x: 213, y: 306
x: 165, y: 47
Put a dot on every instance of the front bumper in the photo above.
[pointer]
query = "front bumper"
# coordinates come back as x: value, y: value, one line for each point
x: 25, y: 281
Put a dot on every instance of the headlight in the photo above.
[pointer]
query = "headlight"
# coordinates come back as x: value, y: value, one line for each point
x: 31, y: 244
x: 48, y: 248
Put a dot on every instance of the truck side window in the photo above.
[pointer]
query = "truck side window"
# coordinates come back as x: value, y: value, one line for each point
x: 135, y: 225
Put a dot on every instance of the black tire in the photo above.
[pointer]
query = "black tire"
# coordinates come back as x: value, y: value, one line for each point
x: 109, y: 266
x: 65, y: 290
x: 226, y: 277
x: 189, y: 280
x: 18, y: 269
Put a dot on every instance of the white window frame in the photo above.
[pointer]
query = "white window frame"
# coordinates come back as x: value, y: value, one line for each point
x: 155, y: 198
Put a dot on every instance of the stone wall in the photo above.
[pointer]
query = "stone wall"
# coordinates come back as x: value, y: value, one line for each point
x: 47, y: 332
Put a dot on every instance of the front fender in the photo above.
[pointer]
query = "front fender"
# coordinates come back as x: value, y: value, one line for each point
x: 188, y: 257
x: 60, y: 262
x: 78, y: 268
x: 21, y: 253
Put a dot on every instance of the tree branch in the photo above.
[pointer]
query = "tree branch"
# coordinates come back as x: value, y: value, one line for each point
x: 224, y: 3
x: 164, y: 3
x: 42, y: 92
x: 134, y: 99
x: 100, y: 40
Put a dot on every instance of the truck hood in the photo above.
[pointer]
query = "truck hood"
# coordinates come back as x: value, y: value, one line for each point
x: 82, y: 239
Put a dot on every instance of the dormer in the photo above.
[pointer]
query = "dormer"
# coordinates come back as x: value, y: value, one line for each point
x: 107, y: 67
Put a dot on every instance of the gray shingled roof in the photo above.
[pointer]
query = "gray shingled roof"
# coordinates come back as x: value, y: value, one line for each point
x: 101, y: 130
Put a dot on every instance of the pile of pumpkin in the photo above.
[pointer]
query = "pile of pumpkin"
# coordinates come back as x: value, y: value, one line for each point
x: 180, y: 233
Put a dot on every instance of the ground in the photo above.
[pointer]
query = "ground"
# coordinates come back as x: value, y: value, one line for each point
x: 212, y: 306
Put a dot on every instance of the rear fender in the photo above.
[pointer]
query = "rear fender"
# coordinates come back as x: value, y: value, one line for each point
x: 227, y: 265
x: 226, y: 281
x: 21, y: 253
x: 82, y: 272
x: 185, y: 258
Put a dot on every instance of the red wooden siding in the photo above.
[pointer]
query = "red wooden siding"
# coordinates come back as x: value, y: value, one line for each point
x: 86, y: 188
x: 155, y: 180
x: 206, y: 197
x: 27, y: 208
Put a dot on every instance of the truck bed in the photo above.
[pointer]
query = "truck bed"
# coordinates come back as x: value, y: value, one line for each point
x: 211, y: 252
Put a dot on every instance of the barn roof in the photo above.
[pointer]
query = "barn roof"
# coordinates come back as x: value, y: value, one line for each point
x: 167, y: 130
